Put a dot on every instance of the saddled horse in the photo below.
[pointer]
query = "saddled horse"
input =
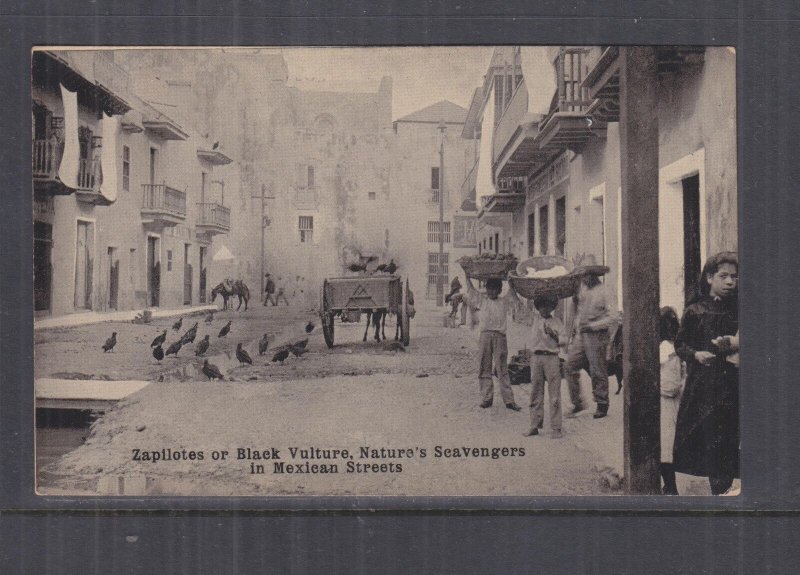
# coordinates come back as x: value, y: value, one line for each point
x: 236, y: 289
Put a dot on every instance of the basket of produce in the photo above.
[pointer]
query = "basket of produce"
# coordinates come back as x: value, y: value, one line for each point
x: 544, y: 276
x: 487, y: 266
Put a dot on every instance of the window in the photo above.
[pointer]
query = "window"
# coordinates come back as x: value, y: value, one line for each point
x: 310, y: 176
x: 126, y: 168
x: 306, y: 229
x: 305, y: 176
x: 543, y: 228
x: 203, y: 184
x: 531, y: 234
x: 435, y: 178
x: 561, y: 225
x: 371, y: 195
x: 169, y: 260
x: 490, y: 243
x: 433, y: 232
x: 433, y: 271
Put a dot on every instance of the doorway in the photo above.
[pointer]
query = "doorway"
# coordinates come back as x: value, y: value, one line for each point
x: 153, y: 271
x: 203, y: 274
x: 691, y: 235
x: 42, y: 267
x: 113, y: 278
x: 187, y: 276
x: 84, y: 264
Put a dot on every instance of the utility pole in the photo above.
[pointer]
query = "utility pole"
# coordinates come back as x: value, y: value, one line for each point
x: 264, y: 223
x: 440, y: 269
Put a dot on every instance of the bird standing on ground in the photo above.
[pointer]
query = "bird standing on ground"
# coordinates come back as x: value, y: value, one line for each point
x: 263, y: 344
x: 215, y: 146
x: 297, y: 350
x: 110, y: 342
x: 189, y: 336
x: 355, y: 268
x: 211, y: 371
x: 381, y: 268
x: 210, y: 317
x: 242, y: 355
x: 310, y: 327
x: 174, y: 348
x: 159, y: 339
x: 391, y: 267
x: 300, y: 343
x: 202, y: 346
x: 158, y: 352
x: 225, y: 330
x: 177, y: 325
x: 281, y: 355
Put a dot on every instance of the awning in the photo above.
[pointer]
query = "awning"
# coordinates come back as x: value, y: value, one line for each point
x: 223, y: 255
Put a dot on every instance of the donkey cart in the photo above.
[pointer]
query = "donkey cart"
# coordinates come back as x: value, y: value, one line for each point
x: 369, y: 294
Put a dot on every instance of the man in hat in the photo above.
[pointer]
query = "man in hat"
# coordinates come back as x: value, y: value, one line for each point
x: 587, y: 349
x: 269, y: 289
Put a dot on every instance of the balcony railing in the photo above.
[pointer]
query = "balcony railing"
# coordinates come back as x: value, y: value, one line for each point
x: 88, y: 174
x: 45, y: 160
x: 160, y: 198
x: 434, y: 195
x: 510, y: 120
x: 214, y: 215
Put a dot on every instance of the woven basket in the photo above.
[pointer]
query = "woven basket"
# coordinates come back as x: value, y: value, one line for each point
x: 530, y: 288
x: 487, y: 269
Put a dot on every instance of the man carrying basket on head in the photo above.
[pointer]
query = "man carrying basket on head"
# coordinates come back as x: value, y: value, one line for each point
x: 493, y: 347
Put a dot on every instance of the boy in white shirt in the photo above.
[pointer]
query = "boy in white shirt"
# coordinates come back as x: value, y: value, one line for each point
x: 493, y: 346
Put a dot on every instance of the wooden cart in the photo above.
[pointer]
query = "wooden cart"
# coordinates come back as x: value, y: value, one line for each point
x: 364, y: 293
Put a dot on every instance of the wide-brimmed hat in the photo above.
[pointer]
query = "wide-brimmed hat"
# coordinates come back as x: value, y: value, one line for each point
x: 591, y: 270
x: 589, y: 267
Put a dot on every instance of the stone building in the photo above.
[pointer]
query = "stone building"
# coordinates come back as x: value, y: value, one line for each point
x: 415, y: 172
x: 123, y: 210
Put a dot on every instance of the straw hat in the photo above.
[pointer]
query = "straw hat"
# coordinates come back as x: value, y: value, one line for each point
x: 590, y: 267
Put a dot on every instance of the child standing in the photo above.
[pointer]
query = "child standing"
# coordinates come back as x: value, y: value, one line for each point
x: 547, y: 337
x: 673, y: 374
x: 707, y: 429
x: 493, y: 347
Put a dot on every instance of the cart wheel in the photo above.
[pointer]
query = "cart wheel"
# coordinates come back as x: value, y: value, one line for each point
x: 327, y: 329
x: 405, y: 320
x: 326, y: 316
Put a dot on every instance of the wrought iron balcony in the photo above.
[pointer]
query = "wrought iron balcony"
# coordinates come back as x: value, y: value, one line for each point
x: 214, y: 218
x: 162, y: 205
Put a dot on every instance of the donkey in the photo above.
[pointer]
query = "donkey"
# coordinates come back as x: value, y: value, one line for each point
x: 237, y: 289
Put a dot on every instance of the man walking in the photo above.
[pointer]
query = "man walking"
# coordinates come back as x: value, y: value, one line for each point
x: 269, y: 290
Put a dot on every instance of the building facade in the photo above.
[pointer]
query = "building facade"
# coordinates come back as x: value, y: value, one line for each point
x: 121, y: 216
x: 565, y: 166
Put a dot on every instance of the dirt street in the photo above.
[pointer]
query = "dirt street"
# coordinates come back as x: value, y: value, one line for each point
x: 356, y: 396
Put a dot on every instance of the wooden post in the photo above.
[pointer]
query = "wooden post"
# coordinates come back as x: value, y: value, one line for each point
x: 639, y: 164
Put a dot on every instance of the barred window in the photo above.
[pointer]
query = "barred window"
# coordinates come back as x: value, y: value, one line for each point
x: 306, y: 229
x: 433, y: 232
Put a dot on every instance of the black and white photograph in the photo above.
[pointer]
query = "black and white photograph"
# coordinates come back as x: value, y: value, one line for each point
x: 385, y: 271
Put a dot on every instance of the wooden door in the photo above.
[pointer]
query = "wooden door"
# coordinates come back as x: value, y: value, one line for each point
x: 113, y: 279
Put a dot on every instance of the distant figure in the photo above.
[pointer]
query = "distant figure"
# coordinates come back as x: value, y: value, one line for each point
x: 281, y: 294
x: 269, y: 290
x: 110, y: 342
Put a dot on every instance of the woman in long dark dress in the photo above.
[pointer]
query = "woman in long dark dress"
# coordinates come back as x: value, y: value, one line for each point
x: 707, y: 429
